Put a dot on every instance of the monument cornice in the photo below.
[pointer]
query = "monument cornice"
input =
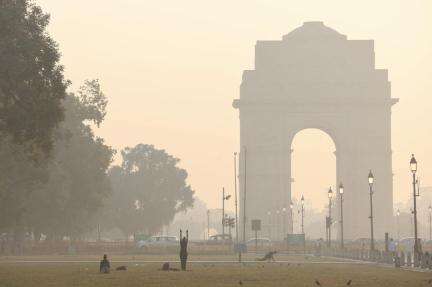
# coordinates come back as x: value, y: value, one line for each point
x: 283, y: 104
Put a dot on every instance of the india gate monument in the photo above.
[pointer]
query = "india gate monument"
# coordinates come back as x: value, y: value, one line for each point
x: 316, y: 78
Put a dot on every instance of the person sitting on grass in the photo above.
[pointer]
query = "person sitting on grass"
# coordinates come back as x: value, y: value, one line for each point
x: 104, y: 266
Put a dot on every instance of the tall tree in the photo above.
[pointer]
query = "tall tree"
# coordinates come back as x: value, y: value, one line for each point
x: 148, y: 190
x: 32, y: 84
x: 78, y: 183
x: 61, y: 196
x: 18, y: 178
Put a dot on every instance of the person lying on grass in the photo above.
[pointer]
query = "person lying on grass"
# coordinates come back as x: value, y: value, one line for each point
x: 268, y: 257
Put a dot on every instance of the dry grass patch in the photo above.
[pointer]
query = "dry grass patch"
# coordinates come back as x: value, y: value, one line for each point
x: 273, y: 274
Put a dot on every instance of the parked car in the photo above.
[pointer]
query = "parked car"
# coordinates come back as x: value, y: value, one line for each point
x: 407, y: 244
x: 362, y: 242
x: 259, y: 241
x: 160, y: 241
x: 220, y: 239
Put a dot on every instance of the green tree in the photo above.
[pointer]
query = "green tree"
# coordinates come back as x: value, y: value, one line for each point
x: 60, y: 196
x: 78, y: 183
x: 32, y: 84
x: 19, y: 176
x: 148, y: 190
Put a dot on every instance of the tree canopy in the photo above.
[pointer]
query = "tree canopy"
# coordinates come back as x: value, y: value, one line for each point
x: 32, y: 85
x: 148, y: 190
x: 61, y: 196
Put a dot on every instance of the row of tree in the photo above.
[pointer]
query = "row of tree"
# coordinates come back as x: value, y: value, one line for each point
x: 56, y: 177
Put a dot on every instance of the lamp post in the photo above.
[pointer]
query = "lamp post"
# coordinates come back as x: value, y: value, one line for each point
x: 413, y: 166
x: 330, y: 195
x: 430, y: 222
x: 341, y: 191
x: 302, y: 224
x: 244, y: 197
x: 371, y: 181
x: 302, y: 214
x: 292, y: 217
x: 284, y: 222
x: 208, y: 224
x: 397, y: 223
x: 277, y: 222
x: 236, y: 205
x: 269, y: 224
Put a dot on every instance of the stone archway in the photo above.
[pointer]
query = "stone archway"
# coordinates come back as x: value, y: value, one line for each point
x: 316, y: 78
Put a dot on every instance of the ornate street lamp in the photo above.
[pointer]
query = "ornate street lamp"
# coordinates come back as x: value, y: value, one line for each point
x: 236, y: 207
x: 430, y: 222
x: 302, y: 214
x: 292, y: 217
x: 269, y: 224
x: 330, y: 195
x: 413, y: 166
x: 277, y: 222
x: 371, y: 182
x: 284, y: 221
x: 397, y: 223
x: 302, y: 224
x: 341, y: 191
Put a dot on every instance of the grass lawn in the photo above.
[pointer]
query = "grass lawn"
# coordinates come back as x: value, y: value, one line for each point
x: 208, y: 274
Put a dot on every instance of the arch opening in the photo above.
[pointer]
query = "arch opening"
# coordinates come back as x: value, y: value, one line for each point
x: 313, y: 170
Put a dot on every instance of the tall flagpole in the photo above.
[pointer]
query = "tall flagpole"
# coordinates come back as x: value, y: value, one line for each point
x: 244, y: 199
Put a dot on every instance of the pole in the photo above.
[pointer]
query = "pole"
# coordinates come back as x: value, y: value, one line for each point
x: 398, y: 229
x: 304, y: 237
x: 372, y: 244
x: 277, y: 222
x: 415, y: 217
x: 208, y: 224
x: 342, y: 233
x: 292, y: 220
x: 430, y: 230
x: 236, y: 204
x: 284, y: 222
x: 330, y: 222
x: 327, y: 227
x: 269, y: 224
x: 302, y: 222
x: 244, y: 200
x: 256, y: 241
x: 98, y: 233
x: 223, y: 212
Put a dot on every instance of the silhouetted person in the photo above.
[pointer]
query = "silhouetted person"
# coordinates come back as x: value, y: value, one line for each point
x: 104, y: 266
x: 183, y: 249
x: 269, y: 256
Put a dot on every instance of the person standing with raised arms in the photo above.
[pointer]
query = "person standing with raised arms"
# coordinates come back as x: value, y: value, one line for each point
x: 183, y: 249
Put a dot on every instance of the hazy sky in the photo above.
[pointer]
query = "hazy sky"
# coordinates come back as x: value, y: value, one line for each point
x: 172, y: 68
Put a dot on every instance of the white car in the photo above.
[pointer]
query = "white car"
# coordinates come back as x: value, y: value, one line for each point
x: 259, y: 241
x: 158, y: 241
